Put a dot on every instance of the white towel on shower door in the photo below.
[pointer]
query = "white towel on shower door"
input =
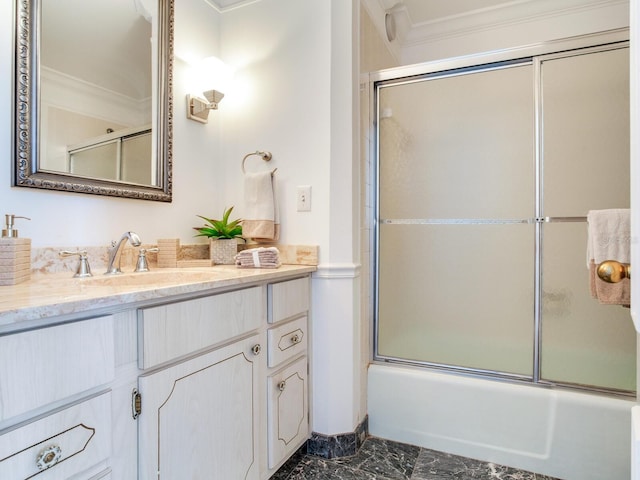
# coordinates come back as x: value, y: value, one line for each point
x: 609, y: 235
x: 609, y: 238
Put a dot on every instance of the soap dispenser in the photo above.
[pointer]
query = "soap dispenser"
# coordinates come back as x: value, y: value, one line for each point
x: 15, y: 254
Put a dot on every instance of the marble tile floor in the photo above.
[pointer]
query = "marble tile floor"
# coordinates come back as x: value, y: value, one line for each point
x: 380, y: 459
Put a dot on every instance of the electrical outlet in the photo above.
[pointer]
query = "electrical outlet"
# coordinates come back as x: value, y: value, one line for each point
x: 304, y: 198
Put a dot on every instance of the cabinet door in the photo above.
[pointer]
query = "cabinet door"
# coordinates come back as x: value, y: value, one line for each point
x: 200, y: 417
x: 288, y: 418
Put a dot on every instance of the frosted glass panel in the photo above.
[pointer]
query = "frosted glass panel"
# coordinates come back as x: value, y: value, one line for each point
x: 583, y: 342
x: 458, y: 147
x: 458, y: 294
x: 100, y: 161
x: 136, y: 159
x: 586, y: 132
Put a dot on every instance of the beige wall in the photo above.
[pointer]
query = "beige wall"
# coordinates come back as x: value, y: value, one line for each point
x: 374, y: 51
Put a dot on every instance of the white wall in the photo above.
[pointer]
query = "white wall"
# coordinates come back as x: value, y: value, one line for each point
x: 296, y: 89
x: 280, y: 51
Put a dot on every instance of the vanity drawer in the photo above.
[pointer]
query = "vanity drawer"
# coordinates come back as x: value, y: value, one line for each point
x: 288, y: 299
x: 171, y: 331
x: 64, y: 444
x: 49, y: 364
x: 286, y: 341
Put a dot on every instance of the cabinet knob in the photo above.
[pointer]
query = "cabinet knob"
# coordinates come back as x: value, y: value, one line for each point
x: 282, y: 385
x: 295, y: 339
x: 256, y: 349
x: 48, y: 457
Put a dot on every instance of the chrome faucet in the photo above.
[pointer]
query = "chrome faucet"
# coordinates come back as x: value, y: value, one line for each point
x: 115, y: 251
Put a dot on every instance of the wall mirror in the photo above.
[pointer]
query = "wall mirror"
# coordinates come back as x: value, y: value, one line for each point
x: 93, y: 97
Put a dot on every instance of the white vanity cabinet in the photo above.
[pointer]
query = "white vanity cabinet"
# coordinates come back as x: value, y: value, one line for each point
x: 220, y: 371
x: 287, y: 377
x: 202, y: 383
x: 55, y: 401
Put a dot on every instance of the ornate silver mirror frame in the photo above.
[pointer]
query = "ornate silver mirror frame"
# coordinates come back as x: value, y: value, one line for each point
x: 26, y: 114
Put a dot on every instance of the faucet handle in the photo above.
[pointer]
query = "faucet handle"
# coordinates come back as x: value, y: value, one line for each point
x: 143, y: 265
x: 84, y: 269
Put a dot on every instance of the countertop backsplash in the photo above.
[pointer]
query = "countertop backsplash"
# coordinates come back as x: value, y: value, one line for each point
x: 47, y: 260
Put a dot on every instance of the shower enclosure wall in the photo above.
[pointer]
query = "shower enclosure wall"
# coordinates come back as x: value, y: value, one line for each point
x: 486, y: 169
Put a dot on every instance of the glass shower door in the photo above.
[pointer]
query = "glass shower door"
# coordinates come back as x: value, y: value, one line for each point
x: 455, y: 238
x: 585, y: 131
x: 485, y: 177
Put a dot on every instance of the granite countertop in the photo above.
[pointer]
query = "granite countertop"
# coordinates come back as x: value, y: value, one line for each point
x: 55, y: 295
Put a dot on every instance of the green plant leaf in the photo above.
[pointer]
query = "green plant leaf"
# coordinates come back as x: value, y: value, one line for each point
x: 220, y: 228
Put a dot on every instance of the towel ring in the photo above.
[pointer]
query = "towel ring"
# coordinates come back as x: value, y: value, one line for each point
x: 266, y: 156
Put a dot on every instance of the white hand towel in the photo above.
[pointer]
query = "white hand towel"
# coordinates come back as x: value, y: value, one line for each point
x: 261, y: 220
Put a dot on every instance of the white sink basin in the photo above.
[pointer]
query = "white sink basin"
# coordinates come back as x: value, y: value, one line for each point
x: 157, y: 278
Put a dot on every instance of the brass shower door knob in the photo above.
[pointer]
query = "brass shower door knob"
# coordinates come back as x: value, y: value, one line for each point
x: 613, y: 272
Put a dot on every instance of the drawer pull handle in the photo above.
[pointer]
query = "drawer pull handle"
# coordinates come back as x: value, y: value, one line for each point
x: 257, y: 348
x: 282, y: 385
x: 48, y: 457
x: 295, y: 339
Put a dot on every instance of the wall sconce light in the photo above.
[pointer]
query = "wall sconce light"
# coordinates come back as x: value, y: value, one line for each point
x: 198, y: 108
x: 211, y: 72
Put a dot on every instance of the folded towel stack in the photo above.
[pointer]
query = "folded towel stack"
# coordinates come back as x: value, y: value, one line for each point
x: 609, y: 238
x: 258, y: 258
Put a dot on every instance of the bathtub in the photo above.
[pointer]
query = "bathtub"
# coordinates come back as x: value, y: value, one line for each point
x: 562, y: 433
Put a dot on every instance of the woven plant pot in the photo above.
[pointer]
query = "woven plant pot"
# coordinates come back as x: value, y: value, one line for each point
x: 223, y: 250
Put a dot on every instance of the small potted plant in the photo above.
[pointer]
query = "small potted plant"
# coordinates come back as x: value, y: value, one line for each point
x: 222, y: 234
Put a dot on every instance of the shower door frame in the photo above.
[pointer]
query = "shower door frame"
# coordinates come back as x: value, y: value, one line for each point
x: 469, y: 65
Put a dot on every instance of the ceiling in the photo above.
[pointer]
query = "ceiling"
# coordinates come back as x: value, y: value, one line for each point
x: 415, y: 19
x: 413, y: 28
x: 224, y: 5
x: 107, y: 44
x: 423, y: 11
x: 420, y: 11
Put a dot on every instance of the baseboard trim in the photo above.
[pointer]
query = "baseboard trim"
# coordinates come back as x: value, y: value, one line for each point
x: 336, y: 446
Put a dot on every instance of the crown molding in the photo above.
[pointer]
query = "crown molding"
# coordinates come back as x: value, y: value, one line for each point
x: 222, y: 6
x: 511, y: 13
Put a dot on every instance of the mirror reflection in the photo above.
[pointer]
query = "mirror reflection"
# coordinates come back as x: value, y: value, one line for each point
x: 95, y: 99
x: 99, y: 119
